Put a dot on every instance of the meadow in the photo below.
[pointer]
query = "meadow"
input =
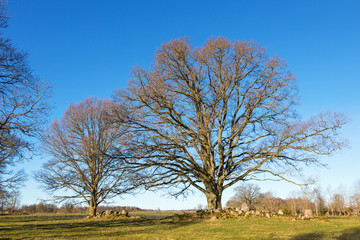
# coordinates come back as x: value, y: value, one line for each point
x: 72, y: 226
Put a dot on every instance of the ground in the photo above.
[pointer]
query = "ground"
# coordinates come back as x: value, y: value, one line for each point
x: 70, y: 226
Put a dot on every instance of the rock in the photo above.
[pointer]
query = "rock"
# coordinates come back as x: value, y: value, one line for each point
x: 200, y: 211
x: 257, y: 213
x: 244, y: 207
x: 308, y: 214
x: 99, y: 214
x: 267, y: 215
x: 125, y: 213
x: 280, y: 212
x: 233, y: 213
x: 247, y: 213
x: 108, y: 212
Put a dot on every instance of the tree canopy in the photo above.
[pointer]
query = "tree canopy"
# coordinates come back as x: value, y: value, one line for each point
x: 212, y: 116
x: 82, y: 162
x: 23, y: 107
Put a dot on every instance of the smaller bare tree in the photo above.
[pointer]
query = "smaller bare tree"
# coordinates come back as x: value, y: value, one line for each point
x: 319, y: 201
x: 268, y: 202
x: 3, y: 200
x: 337, y: 200
x: 245, y: 193
x: 13, y: 201
x: 355, y: 198
x: 81, y: 145
x: 337, y: 204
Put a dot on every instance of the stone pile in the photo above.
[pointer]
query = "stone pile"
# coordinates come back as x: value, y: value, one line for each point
x: 244, y: 211
x: 110, y: 213
x: 234, y: 213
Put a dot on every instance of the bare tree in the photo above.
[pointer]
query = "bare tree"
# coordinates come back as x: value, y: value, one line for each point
x: 23, y: 107
x: 13, y: 201
x: 319, y: 201
x: 245, y: 193
x: 355, y: 198
x: 268, y: 202
x: 210, y: 117
x: 337, y: 204
x: 9, y: 200
x: 81, y: 146
x: 4, y: 195
x: 297, y: 202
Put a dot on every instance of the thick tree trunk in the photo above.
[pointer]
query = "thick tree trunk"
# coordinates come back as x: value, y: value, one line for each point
x: 92, y: 206
x: 92, y: 210
x: 214, y: 199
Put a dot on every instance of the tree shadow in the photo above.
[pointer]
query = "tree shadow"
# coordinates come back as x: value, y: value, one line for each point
x: 308, y: 236
x: 86, y: 228
x: 351, y: 233
x: 348, y: 234
x: 33, y: 218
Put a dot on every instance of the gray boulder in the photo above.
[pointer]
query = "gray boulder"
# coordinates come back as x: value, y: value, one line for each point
x: 108, y: 212
x: 308, y: 214
x: 125, y: 213
x: 244, y: 207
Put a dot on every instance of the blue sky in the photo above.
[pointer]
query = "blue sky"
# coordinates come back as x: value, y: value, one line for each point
x: 86, y: 48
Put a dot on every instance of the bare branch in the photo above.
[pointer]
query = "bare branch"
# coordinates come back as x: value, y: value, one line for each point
x: 81, y: 145
x: 210, y: 117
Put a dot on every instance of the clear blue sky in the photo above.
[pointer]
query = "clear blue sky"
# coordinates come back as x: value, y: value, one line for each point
x: 86, y: 48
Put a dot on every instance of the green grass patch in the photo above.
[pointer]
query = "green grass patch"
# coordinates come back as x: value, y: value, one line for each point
x: 70, y: 226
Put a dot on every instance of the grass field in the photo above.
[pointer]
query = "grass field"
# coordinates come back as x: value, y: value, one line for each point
x: 77, y: 227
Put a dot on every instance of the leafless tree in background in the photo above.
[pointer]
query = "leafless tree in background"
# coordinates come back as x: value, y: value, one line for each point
x: 23, y: 107
x: 319, y: 201
x: 81, y: 146
x: 245, y: 193
x: 3, y: 200
x: 337, y: 204
x: 210, y: 117
x: 355, y: 198
x: 13, y: 201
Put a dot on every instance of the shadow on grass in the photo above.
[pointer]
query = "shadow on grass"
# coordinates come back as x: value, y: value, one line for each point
x: 350, y: 234
x: 32, y: 218
x: 52, y: 227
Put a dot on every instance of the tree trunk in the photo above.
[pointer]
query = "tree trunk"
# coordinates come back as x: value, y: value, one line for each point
x: 92, y: 206
x: 92, y: 211
x: 214, y: 199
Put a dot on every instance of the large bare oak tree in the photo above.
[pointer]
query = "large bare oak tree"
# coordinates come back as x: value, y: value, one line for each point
x: 23, y: 107
x: 210, y: 117
x: 80, y: 146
